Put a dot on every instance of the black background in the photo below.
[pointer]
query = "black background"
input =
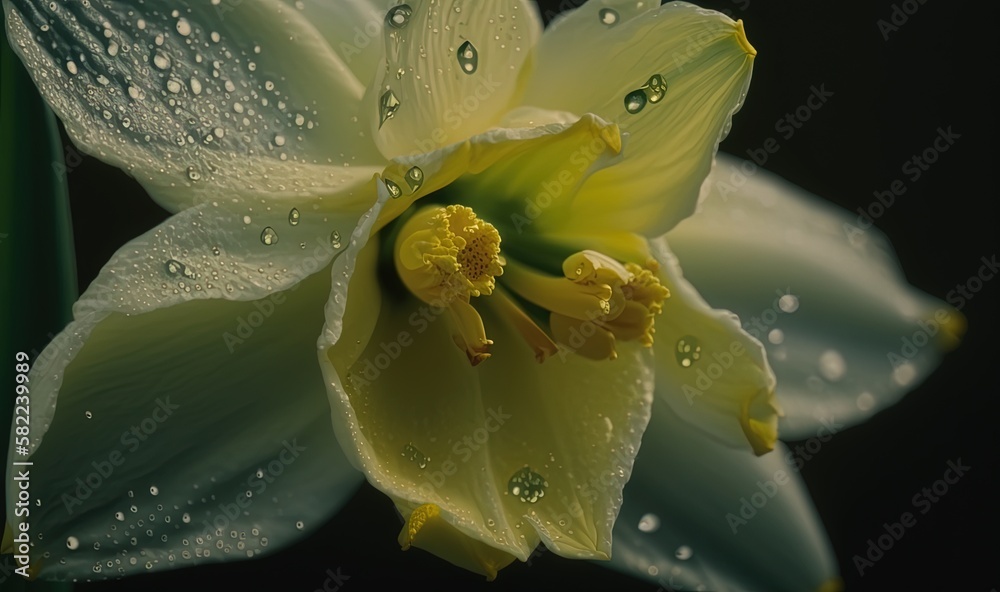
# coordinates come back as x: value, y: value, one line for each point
x: 890, y: 96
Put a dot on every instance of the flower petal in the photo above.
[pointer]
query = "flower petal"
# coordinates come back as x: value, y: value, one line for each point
x: 710, y: 372
x: 197, y: 99
x: 187, y: 435
x: 701, y: 516
x: 511, y: 451
x: 352, y: 28
x: 450, y: 72
x: 825, y: 295
x: 591, y: 60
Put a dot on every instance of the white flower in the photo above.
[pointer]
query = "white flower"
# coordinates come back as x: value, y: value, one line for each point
x: 190, y: 370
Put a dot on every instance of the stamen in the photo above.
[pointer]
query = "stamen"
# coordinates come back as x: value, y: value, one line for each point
x: 540, y: 343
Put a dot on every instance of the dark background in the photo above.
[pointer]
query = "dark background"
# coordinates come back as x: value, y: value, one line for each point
x: 890, y: 96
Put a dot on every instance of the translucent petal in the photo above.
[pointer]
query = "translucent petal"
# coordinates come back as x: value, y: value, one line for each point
x: 844, y: 332
x: 229, y: 249
x: 702, y: 516
x: 671, y: 77
x: 710, y: 372
x: 197, y: 99
x: 451, y: 71
x: 187, y: 435
x: 511, y: 450
x: 352, y: 28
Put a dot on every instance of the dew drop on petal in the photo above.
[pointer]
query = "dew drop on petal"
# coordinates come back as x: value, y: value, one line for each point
x: 468, y: 57
x: 655, y: 88
x: 788, y: 303
x: 388, y: 104
x: 683, y: 553
x: 635, y: 101
x: 608, y: 16
x: 300, y: 525
x: 649, y: 523
x: 413, y: 454
x: 398, y: 16
x: 335, y: 239
x: 293, y: 217
x: 120, y: 516
x: 414, y: 178
x: 154, y: 490
x: 88, y: 414
x: 268, y: 236
x: 865, y: 401
x: 394, y: 190
x: 776, y: 336
x: 832, y: 365
x: 72, y: 543
x: 174, y: 267
x: 527, y: 485
x: 688, y: 351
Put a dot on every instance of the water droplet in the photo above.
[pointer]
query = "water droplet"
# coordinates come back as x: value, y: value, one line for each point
x: 655, y: 88
x: 776, y: 336
x: 388, y: 104
x: 683, y: 553
x: 832, y: 365
x: 247, y: 219
x: 411, y: 453
x: 399, y: 16
x: 175, y: 267
x: 72, y: 543
x: 649, y: 523
x: 193, y: 173
x: 88, y: 414
x: 120, y: 516
x: 865, y: 401
x: 527, y: 485
x: 184, y: 27
x: 788, y: 303
x: 468, y: 57
x: 279, y: 140
x: 71, y: 67
x: 608, y: 16
x: 293, y: 217
x: 186, y: 518
x: 268, y: 236
x: 394, y: 190
x: 414, y: 178
x: 161, y: 61
x: 154, y: 490
x: 335, y: 239
x: 299, y: 525
x: 635, y: 101
x: 195, y: 86
x: 688, y: 351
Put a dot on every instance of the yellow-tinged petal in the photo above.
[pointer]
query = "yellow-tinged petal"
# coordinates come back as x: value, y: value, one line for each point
x: 671, y: 77
x: 425, y: 529
x: 450, y: 72
x: 504, y: 449
x: 712, y: 373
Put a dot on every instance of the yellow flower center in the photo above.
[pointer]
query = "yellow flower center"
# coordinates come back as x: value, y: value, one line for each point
x: 445, y: 256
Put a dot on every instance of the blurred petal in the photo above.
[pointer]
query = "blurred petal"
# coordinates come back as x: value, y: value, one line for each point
x: 187, y: 435
x: 708, y: 370
x: 591, y: 60
x: 197, y: 100
x: 825, y: 296
x: 450, y: 73
x: 701, y: 516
